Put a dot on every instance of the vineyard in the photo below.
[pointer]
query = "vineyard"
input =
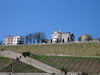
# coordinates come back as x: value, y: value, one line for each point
x: 18, y: 66
x: 73, y: 64
x: 77, y: 49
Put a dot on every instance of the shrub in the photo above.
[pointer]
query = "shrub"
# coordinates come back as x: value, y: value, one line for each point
x: 80, y: 39
x: 63, y: 70
x: 2, y: 49
x: 17, y: 59
x: 26, y: 54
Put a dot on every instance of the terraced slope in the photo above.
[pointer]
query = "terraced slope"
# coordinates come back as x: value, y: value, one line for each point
x: 78, y: 49
x: 17, y: 66
x: 30, y: 61
x: 75, y: 64
x: 4, y: 62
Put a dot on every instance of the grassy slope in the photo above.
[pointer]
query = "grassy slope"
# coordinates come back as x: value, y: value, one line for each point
x: 79, y: 49
x: 17, y: 66
x: 4, y: 62
x: 75, y: 64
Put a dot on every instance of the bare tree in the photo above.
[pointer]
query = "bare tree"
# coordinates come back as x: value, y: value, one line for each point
x: 29, y: 38
x: 26, y: 39
x: 34, y: 39
x: 0, y: 42
x: 39, y: 36
x: 23, y: 39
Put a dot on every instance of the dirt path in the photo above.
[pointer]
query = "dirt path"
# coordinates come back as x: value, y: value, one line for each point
x: 30, y: 61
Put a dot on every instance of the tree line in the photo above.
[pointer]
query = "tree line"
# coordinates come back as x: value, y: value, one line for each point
x: 33, y: 38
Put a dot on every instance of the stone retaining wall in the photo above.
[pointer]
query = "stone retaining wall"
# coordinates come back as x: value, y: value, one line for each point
x: 28, y: 74
x: 42, y: 74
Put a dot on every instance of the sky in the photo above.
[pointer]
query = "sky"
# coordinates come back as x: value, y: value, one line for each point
x: 21, y: 17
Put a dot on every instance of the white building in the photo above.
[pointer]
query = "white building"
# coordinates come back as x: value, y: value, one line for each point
x: 10, y: 40
x: 56, y: 36
x: 62, y: 37
x: 16, y: 40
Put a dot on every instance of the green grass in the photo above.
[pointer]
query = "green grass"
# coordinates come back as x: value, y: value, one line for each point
x: 17, y: 66
x: 74, y: 64
x: 77, y: 49
x: 4, y: 62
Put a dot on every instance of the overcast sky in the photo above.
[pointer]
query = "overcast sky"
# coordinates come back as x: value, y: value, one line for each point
x: 20, y: 17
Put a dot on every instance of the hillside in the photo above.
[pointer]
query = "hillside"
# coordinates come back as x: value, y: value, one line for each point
x: 78, y: 49
x: 74, y: 64
x: 18, y: 66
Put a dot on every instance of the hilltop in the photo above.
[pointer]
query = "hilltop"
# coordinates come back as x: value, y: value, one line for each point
x: 77, y: 49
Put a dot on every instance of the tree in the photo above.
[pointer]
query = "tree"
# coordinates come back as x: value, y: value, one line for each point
x: 26, y: 54
x: 80, y: 38
x: 26, y: 39
x: 64, y: 70
x: 57, y: 40
x: 72, y: 37
x: 29, y: 38
x: 63, y: 41
x: 39, y: 36
x: 51, y: 40
x: 68, y: 39
x: 23, y: 39
x: 34, y: 38
x: 0, y: 42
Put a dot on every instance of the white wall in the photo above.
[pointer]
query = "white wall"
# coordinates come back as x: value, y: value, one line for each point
x: 16, y: 39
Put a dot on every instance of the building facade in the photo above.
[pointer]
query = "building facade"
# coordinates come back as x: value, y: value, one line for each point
x: 86, y: 37
x: 16, y: 40
x: 10, y: 40
x: 58, y: 37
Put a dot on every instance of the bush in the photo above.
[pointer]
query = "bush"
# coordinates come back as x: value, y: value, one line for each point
x: 63, y: 70
x: 17, y: 59
x: 80, y: 39
x: 2, y: 49
x: 26, y: 54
